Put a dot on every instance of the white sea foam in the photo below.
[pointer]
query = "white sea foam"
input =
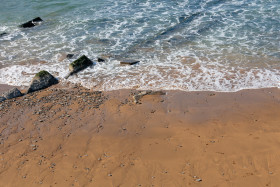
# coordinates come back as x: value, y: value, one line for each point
x: 220, y: 45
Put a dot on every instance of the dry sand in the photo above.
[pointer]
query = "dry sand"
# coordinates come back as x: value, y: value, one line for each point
x: 77, y: 137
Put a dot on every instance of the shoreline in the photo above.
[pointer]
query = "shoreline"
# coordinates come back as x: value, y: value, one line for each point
x: 6, y: 87
x: 70, y: 135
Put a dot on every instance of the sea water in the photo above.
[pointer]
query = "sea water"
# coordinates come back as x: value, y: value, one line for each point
x: 190, y: 45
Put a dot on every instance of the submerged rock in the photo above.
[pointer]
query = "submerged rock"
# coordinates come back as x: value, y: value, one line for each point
x: 3, y: 34
x: 31, y: 23
x: 78, y: 65
x: 104, y: 57
x: 129, y: 62
x: 2, y: 99
x: 100, y: 59
x: 69, y: 56
x: 42, y: 80
x: 13, y: 93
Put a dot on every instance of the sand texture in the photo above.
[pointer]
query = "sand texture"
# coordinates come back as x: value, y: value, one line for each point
x: 76, y: 137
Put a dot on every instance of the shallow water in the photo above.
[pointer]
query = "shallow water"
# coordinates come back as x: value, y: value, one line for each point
x: 218, y: 45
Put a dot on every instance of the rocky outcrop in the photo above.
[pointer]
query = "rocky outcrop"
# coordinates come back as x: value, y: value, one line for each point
x: 13, y: 93
x: 141, y: 94
x: 2, y: 99
x: 78, y: 65
x: 42, y: 80
x: 129, y: 62
x: 31, y: 23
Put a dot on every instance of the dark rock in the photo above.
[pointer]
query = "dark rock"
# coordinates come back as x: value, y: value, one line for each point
x: 129, y: 62
x: 13, y: 93
x: 2, y: 98
x: 31, y: 23
x: 3, y: 34
x: 69, y: 56
x: 105, y: 57
x: 78, y: 65
x: 100, y: 59
x: 42, y: 80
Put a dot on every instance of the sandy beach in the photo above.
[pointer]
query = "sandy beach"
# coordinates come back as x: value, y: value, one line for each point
x: 72, y: 136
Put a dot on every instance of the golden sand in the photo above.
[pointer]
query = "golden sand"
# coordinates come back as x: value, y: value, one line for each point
x: 76, y: 137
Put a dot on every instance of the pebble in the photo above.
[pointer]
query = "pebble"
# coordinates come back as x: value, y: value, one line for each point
x: 198, y: 180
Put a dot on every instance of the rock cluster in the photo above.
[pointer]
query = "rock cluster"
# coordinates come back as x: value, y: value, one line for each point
x: 44, y: 79
x: 41, y: 80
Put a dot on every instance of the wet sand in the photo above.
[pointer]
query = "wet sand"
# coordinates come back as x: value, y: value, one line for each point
x: 76, y: 137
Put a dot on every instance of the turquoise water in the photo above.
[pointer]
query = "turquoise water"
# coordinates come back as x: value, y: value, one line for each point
x: 218, y: 45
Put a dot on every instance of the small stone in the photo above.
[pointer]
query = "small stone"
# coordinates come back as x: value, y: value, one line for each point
x: 2, y: 98
x: 110, y: 175
x: 198, y: 180
x: 69, y: 56
x: 129, y: 62
x: 3, y: 34
x: 100, y: 59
